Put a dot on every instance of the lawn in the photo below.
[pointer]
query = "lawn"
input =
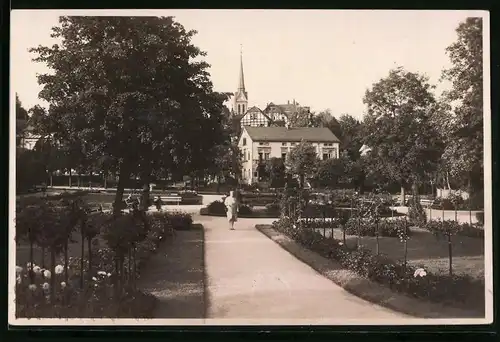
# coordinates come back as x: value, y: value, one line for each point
x: 424, y: 249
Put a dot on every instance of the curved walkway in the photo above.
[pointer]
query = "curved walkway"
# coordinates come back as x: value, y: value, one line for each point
x: 251, y: 277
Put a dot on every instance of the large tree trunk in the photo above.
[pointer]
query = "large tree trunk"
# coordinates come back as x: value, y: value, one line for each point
x: 145, y: 196
x: 105, y: 176
x: 50, y: 179
x: 70, y: 174
x: 120, y: 188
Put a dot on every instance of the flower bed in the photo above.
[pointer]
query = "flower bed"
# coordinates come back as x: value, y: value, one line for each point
x: 456, y: 290
x: 452, y: 227
x: 101, y: 281
x: 217, y: 208
x: 389, y: 228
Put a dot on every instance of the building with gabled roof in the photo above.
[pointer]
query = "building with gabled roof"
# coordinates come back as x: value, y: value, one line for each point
x: 258, y: 144
x: 272, y: 115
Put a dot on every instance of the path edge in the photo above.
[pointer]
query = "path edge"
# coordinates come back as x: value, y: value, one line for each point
x: 377, y: 293
x: 206, y: 295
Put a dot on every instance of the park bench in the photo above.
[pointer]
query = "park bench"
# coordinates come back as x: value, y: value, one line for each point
x: 171, y: 198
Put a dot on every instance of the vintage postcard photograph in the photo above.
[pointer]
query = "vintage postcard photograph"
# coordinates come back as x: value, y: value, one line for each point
x: 250, y: 167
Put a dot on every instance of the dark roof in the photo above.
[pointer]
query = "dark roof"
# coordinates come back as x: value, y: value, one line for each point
x: 311, y: 134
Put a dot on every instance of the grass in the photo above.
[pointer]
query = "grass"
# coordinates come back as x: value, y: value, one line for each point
x: 365, y: 288
x: 176, y: 276
x: 424, y: 249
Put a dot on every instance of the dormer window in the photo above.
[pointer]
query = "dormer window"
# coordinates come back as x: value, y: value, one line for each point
x: 244, y: 142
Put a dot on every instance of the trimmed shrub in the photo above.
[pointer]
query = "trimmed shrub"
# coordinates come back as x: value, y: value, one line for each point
x: 273, y: 208
x: 244, y: 210
x: 180, y: 221
x: 217, y: 208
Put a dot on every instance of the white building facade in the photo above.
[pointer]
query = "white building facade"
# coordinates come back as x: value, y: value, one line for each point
x: 258, y: 144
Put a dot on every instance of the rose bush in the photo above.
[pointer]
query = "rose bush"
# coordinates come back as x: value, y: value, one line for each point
x: 110, y: 271
x: 461, y: 290
x: 387, y: 228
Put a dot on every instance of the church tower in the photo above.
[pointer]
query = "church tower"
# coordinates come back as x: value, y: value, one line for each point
x: 240, y: 99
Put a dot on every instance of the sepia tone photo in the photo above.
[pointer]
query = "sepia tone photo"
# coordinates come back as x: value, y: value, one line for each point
x: 250, y: 167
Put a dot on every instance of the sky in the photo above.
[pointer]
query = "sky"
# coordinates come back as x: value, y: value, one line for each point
x: 325, y: 59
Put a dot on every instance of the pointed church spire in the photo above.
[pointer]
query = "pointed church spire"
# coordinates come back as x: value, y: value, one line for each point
x: 241, y: 86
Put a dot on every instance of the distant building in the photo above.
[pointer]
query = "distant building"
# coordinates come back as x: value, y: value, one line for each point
x: 240, y: 98
x: 256, y: 118
x: 25, y: 138
x: 258, y: 144
x: 272, y: 115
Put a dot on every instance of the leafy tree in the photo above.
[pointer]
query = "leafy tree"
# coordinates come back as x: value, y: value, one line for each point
x: 131, y: 89
x: 21, y: 120
x: 275, y: 167
x: 463, y: 154
x: 351, y: 137
x: 302, y: 161
x: 21, y: 112
x: 29, y: 170
x: 330, y: 172
x: 326, y: 119
x: 301, y: 118
x: 404, y: 143
x: 48, y: 155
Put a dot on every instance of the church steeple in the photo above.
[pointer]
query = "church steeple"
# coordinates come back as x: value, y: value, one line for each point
x: 240, y: 99
x: 241, y: 86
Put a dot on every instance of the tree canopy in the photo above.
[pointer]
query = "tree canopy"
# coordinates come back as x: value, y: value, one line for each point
x: 398, y: 127
x: 133, y: 89
x: 302, y: 161
x: 463, y: 154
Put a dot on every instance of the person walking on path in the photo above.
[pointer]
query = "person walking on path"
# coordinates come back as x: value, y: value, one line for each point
x: 231, y: 209
x: 158, y: 203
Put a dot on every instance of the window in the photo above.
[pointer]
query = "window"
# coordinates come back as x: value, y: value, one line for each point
x: 261, y: 125
x: 255, y: 174
x: 266, y: 156
x: 293, y: 144
x: 248, y: 155
x: 244, y: 141
x: 283, y: 156
x: 239, y: 109
x: 325, y: 156
x: 260, y: 156
x: 253, y: 116
x: 283, y: 144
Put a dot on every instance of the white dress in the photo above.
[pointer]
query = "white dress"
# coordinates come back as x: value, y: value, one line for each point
x: 231, y: 209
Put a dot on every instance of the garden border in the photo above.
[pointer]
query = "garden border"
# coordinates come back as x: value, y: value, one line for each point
x: 363, y: 287
x: 204, y: 212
